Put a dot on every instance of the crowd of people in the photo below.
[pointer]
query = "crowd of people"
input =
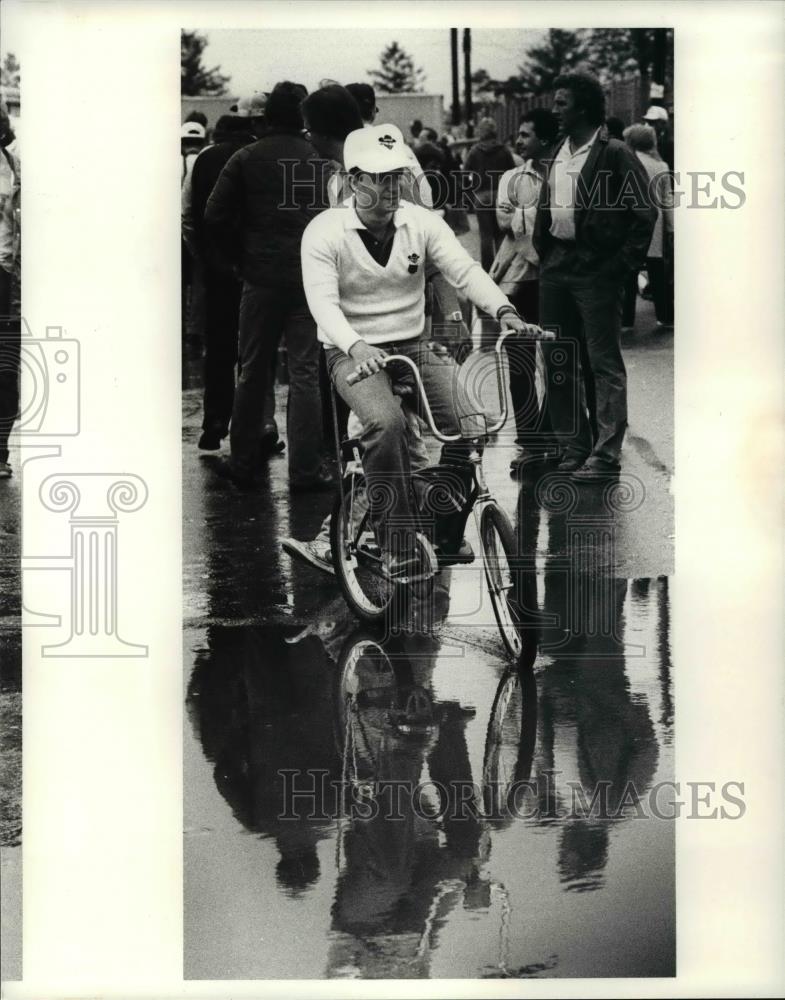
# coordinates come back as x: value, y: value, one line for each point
x: 306, y: 223
x: 10, y: 284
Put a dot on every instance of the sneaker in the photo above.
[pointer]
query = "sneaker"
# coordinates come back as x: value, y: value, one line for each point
x: 315, y: 554
x: 209, y: 441
x: 596, y: 470
x: 270, y: 444
x: 5, y: 470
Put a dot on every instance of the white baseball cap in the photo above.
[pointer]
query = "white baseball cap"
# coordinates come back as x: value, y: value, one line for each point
x: 192, y: 130
x: 656, y: 114
x: 377, y: 149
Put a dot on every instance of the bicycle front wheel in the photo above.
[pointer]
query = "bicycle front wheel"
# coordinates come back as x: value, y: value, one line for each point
x: 369, y: 595
x: 500, y: 560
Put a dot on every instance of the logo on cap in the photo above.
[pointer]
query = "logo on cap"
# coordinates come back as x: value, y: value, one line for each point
x: 387, y: 140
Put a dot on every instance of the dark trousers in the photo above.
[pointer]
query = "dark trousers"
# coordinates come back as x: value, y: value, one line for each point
x: 266, y: 315
x: 532, y: 421
x: 661, y: 287
x: 10, y: 352
x: 490, y: 234
x: 585, y: 311
x: 222, y: 321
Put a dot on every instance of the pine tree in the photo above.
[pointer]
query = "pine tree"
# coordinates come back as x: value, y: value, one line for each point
x: 195, y: 80
x: 397, y: 73
x: 559, y: 53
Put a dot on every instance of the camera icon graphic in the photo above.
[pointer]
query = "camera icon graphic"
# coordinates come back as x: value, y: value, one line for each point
x: 49, y: 382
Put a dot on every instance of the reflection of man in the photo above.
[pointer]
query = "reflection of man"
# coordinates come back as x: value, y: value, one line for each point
x: 594, y: 225
x: 10, y: 260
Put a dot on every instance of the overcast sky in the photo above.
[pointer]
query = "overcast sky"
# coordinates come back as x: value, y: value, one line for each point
x: 257, y: 60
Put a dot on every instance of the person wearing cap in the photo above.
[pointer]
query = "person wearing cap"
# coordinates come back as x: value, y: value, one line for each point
x: 262, y: 202
x: 192, y: 140
x: 593, y: 226
x: 253, y: 109
x: 364, y: 278
x: 658, y: 118
x: 222, y: 287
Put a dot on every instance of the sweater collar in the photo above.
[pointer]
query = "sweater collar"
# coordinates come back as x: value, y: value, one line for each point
x: 352, y: 219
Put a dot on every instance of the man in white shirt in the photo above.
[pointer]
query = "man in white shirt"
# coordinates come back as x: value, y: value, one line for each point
x: 364, y: 278
x: 594, y: 223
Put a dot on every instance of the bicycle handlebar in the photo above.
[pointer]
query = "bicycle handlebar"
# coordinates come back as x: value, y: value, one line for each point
x: 544, y: 335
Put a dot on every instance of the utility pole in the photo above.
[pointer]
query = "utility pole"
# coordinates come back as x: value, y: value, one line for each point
x: 456, y: 92
x: 467, y: 80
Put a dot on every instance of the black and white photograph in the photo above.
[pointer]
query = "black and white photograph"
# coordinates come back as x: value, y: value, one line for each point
x: 390, y: 499
x: 428, y: 520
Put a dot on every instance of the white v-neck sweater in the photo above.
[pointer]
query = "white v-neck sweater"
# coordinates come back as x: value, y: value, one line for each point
x: 352, y: 297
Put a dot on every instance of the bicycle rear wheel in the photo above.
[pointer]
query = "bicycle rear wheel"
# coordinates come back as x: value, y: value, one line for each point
x: 500, y: 560
x: 369, y: 595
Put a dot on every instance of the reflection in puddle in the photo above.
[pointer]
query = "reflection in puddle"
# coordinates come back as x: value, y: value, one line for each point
x: 432, y: 816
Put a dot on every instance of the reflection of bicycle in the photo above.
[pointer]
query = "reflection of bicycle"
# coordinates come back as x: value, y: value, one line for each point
x: 443, y: 497
x: 509, y: 742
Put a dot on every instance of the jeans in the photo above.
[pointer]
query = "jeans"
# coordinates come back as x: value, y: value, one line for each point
x: 386, y: 458
x: 10, y: 354
x: 222, y: 319
x: 490, y: 234
x: 532, y: 421
x: 585, y: 308
x: 266, y: 315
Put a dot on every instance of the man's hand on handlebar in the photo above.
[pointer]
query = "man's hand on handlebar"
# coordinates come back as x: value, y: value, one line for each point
x: 509, y: 321
x: 369, y: 360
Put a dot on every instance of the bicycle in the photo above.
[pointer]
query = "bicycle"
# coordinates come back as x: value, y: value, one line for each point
x: 443, y: 498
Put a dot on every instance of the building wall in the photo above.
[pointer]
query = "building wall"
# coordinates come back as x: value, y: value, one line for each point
x: 402, y: 109
x: 213, y: 107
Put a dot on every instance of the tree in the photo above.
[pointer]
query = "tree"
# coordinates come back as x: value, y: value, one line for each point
x: 560, y: 52
x: 619, y: 51
x: 397, y: 73
x: 10, y: 71
x: 195, y: 80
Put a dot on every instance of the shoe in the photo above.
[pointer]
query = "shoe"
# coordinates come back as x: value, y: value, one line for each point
x: 270, y: 444
x: 209, y: 441
x: 570, y: 464
x: 465, y: 554
x: 226, y: 470
x: 5, y: 470
x: 525, y: 459
x: 320, y: 483
x: 316, y: 555
x: 596, y: 470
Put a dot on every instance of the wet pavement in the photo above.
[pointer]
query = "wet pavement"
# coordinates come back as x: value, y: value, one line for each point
x: 10, y: 728
x: 448, y: 827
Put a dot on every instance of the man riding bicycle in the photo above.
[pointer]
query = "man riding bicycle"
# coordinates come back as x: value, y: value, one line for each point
x: 363, y: 267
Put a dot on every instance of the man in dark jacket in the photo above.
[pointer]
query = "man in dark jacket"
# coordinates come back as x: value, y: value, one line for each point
x: 222, y: 286
x: 267, y: 193
x: 594, y: 223
x: 487, y: 160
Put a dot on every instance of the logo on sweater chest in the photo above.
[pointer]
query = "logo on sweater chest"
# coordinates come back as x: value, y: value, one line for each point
x: 414, y: 264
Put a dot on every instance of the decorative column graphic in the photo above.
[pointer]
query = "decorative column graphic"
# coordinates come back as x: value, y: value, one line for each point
x: 94, y: 501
